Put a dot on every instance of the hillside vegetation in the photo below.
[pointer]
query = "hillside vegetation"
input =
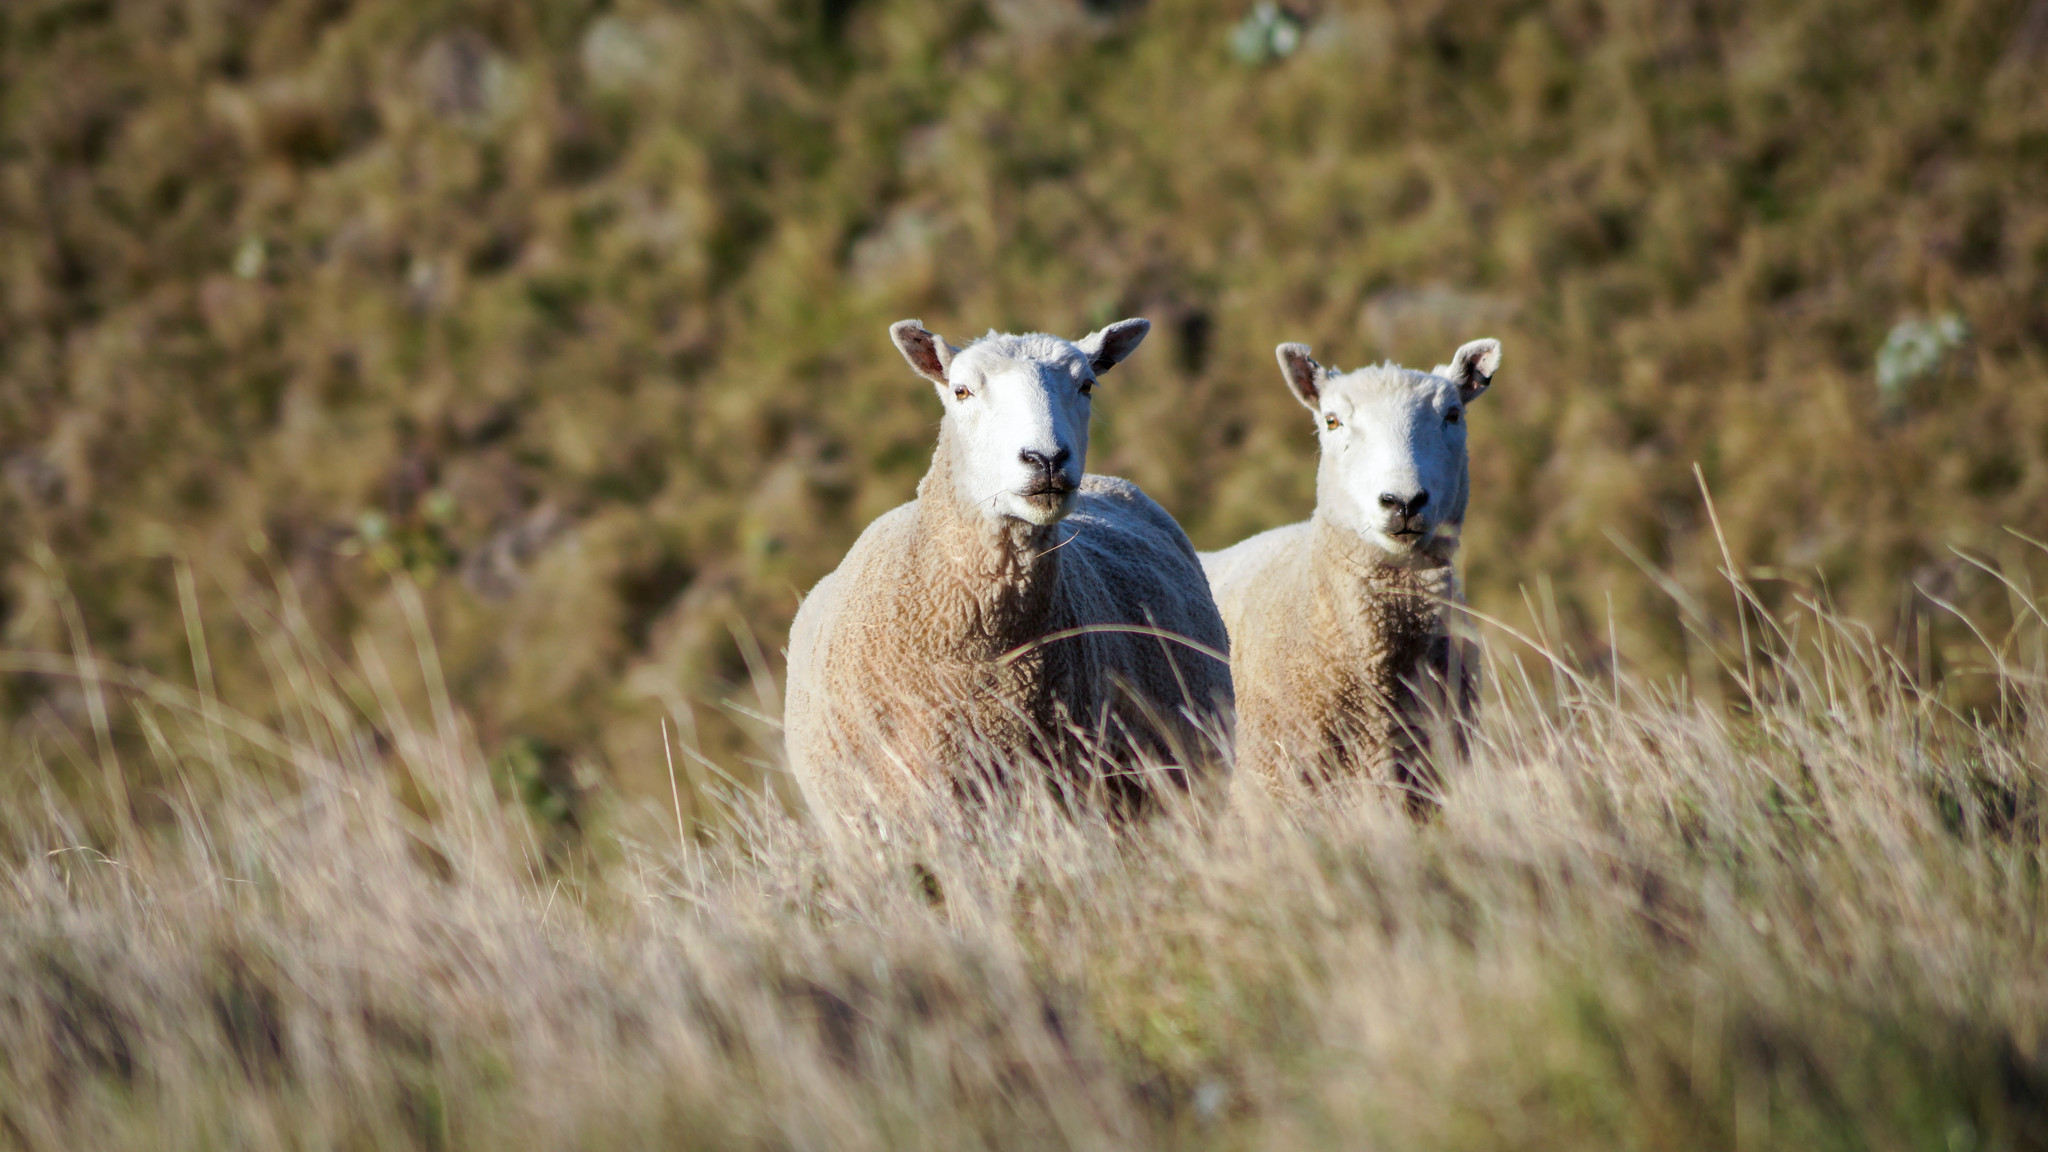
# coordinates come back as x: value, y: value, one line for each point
x: 412, y: 411
x: 573, y: 314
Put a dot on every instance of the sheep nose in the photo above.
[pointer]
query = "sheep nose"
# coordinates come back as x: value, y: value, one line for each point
x: 1406, y: 508
x: 1049, y: 466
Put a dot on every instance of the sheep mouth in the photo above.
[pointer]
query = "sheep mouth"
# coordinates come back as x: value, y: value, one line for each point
x: 1043, y: 506
x: 1046, y: 503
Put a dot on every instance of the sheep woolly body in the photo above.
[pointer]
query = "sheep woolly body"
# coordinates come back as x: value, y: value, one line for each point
x: 1329, y: 648
x: 921, y: 664
x: 1343, y: 655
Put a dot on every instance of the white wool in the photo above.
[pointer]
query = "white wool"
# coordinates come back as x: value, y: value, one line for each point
x: 1005, y: 618
x: 1344, y: 658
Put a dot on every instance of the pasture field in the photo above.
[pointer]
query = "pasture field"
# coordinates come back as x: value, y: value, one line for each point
x: 413, y: 411
x: 1810, y: 919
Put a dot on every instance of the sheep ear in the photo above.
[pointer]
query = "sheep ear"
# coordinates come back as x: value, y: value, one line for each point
x: 1472, y: 368
x: 1107, y: 348
x: 1303, y: 375
x: 927, y: 352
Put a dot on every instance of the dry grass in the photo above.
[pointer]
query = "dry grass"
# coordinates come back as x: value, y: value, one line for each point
x: 1639, y: 921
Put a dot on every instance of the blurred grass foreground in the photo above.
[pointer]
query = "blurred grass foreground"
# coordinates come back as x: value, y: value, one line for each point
x: 1812, y: 921
x: 411, y: 412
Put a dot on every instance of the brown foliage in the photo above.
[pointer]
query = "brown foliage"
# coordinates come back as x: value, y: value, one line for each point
x: 576, y: 312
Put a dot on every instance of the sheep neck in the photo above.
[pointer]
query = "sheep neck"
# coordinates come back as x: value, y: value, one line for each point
x: 1397, y: 613
x: 986, y: 582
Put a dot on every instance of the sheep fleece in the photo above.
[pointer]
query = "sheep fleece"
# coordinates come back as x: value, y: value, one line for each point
x: 1341, y: 661
x: 897, y: 676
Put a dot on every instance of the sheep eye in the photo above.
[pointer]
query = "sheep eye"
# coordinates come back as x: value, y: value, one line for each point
x: 1454, y: 415
x: 1087, y: 387
x: 960, y: 392
x: 1331, y: 422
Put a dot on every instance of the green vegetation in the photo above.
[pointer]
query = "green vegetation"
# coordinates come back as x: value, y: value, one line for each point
x: 575, y: 312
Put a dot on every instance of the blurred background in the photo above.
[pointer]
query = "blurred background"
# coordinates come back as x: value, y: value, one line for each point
x: 572, y: 314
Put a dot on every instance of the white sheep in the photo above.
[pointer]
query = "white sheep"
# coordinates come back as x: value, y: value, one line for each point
x: 1340, y: 626
x: 1017, y: 613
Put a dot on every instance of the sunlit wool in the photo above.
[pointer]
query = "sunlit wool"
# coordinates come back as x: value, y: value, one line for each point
x: 1345, y: 661
x: 1012, y: 613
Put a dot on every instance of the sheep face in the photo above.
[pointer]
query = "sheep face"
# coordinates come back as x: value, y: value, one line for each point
x: 1394, y: 467
x: 1017, y: 408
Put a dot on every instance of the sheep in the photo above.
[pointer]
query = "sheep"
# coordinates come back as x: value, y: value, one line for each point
x: 1344, y: 658
x: 1016, y: 613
